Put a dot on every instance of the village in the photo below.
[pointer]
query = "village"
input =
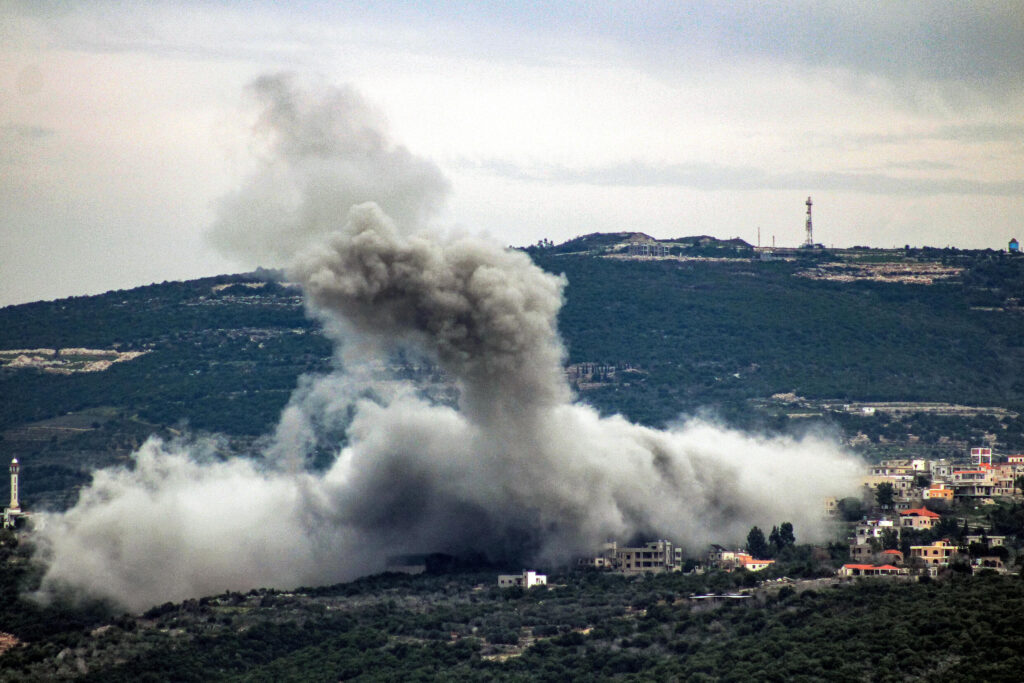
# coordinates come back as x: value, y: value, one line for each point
x: 913, y: 518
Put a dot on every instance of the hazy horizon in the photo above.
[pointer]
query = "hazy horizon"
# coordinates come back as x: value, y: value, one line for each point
x: 121, y: 126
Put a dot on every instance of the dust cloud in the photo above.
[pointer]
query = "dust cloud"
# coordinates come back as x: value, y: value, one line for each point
x: 515, y: 466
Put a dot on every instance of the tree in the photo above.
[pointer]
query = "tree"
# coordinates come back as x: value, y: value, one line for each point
x: 884, y: 494
x: 774, y: 541
x: 756, y: 545
x: 786, y: 534
x: 890, y: 539
x: 781, y: 538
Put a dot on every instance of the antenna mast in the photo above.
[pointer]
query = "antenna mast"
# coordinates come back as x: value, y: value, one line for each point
x: 809, y: 242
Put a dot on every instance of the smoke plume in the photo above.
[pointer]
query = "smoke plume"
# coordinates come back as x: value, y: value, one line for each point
x: 325, y: 152
x: 516, y: 467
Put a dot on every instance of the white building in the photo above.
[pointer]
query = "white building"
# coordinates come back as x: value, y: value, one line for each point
x: 527, y: 579
x: 728, y: 560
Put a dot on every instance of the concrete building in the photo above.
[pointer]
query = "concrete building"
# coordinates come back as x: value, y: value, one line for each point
x: 655, y: 557
x: 981, y: 456
x: 993, y: 563
x: 528, y: 579
x: 991, y: 541
x: 938, y: 491
x: 893, y: 468
x: 941, y: 469
x: 648, y: 249
x: 975, y: 483
x: 871, y: 528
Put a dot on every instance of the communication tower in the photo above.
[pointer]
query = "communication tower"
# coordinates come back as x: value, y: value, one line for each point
x: 809, y: 242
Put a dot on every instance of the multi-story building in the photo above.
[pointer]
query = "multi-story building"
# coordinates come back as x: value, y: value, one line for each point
x: 649, y: 249
x: 871, y: 528
x: 937, y: 554
x: 654, y: 557
x: 941, y: 469
x: 974, y: 483
x: 981, y: 456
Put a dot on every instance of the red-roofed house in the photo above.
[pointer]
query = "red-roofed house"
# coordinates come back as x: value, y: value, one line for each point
x: 754, y: 565
x: 893, y: 556
x: 919, y: 518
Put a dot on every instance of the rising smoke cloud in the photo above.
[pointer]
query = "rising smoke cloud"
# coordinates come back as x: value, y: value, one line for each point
x: 516, y: 468
x: 324, y: 153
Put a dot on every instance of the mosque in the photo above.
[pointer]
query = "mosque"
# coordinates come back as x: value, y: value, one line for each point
x: 13, y: 512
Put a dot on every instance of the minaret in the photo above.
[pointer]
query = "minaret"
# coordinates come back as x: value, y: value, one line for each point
x: 15, y: 468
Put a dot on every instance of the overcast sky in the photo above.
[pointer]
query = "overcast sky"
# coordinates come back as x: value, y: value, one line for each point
x: 121, y: 124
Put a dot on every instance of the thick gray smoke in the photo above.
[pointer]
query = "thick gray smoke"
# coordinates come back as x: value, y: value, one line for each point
x: 325, y: 153
x: 516, y: 468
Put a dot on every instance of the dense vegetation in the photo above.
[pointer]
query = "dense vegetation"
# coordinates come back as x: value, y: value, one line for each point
x: 718, y: 332
x: 588, y: 626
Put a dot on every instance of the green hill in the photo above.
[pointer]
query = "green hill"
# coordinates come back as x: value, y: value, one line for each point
x: 665, y: 337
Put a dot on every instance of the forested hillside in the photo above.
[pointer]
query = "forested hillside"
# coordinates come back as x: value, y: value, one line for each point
x: 714, y: 332
x: 668, y: 337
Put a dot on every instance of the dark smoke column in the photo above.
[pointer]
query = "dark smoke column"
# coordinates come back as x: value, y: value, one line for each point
x: 487, y: 315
